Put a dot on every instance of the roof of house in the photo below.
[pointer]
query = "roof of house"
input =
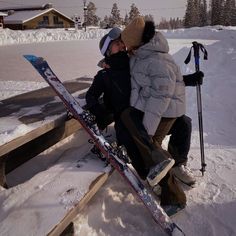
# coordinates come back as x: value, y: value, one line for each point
x: 20, y: 17
x: 27, y: 7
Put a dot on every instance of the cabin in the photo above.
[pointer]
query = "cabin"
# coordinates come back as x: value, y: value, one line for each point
x: 45, y: 16
x: 2, y: 15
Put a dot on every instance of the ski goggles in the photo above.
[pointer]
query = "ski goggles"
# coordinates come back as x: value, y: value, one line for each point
x: 112, y: 35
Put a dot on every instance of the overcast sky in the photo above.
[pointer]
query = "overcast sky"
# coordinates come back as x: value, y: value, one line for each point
x: 157, y: 8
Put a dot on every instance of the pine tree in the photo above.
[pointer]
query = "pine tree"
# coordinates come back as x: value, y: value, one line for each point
x: 115, y: 18
x: 217, y: 12
x: 189, y: 14
x: 126, y: 19
x: 105, y: 23
x: 203, y: 13
x: 173, y: 23
x: 134, y: 12
x: 228, y: 12
x: 92, y: 18
x: 233, y: 20
x: 164, y: 24
x: 196, y: 12
x: 149, y: 18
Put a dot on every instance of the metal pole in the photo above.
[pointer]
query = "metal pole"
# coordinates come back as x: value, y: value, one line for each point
x: 196, y: 48
x: 85, y: 15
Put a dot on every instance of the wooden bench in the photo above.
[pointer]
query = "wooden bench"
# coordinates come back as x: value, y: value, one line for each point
x: 44, y: 133
x: 48, y: 202
x: 45, y: 205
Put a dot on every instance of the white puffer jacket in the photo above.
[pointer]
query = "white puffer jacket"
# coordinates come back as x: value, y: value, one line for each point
x: 157, y: 84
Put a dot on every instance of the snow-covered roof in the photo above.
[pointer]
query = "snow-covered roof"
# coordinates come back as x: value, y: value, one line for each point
x: 3, y: 14
x: 20, y: 17
x: 27, y: 7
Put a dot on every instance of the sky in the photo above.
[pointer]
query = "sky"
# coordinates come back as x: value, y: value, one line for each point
x: 43, y: 189
x: 157, y: 8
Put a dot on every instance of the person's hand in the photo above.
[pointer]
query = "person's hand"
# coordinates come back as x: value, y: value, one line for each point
x: 194, y: 79
x: 103, y: 64
x: 198, y: 77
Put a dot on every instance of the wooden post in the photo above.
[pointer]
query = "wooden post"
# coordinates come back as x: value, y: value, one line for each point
x: 2, y: 173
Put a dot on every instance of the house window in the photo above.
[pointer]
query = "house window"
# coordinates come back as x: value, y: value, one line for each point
x: 45, y: 20
x: 57, y: 23
x: 55, y: 20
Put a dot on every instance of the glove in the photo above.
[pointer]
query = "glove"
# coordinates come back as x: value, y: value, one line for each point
x: 194, y: 79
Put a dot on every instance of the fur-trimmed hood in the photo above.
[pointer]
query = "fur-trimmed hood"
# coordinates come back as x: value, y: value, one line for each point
x: 157, y: 44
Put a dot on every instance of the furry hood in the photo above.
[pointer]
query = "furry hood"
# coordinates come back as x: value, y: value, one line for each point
x: 157, y: 44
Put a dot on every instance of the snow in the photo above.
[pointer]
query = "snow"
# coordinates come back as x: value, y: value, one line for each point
x: 8, y: 36
x: 115, y: 209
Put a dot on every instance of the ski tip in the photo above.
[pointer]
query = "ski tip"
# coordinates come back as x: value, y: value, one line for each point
x: 30, y: 57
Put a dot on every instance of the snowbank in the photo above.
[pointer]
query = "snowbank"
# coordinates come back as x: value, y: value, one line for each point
x: 8, y: 36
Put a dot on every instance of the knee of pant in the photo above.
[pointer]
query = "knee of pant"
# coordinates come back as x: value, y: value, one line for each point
x: 187, y: 121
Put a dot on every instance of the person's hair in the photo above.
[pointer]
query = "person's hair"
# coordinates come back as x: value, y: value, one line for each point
x: 148, y: 32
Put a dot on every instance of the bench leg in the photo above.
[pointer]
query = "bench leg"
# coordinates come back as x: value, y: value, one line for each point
x: 3, y: 182
x: 69, y: 230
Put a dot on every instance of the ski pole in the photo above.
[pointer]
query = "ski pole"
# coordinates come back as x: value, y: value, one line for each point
x: 196, y: 49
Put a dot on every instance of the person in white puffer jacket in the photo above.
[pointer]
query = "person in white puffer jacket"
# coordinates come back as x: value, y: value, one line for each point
x: 158, y: 88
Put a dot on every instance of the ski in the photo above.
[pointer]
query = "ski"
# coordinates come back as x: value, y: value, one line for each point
x: 87, y: 120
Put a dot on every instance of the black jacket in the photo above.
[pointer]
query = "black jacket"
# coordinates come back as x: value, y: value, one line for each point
x: 113, y: 85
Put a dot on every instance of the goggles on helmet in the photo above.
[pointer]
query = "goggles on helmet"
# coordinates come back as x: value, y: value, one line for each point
x: 112, y: 35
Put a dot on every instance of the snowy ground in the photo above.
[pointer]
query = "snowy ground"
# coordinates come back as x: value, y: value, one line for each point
x: 115, y: 210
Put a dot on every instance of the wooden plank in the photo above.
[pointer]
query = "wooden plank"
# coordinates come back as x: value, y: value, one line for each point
x: 17, y: 142
x: 49, y: 201
x: 94, y: 187
x: 25, y: 152
x: 43, y: 98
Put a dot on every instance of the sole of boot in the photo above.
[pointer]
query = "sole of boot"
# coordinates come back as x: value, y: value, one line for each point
x: 172, y: 210
x: 161, y: 175
x: 189, y: 184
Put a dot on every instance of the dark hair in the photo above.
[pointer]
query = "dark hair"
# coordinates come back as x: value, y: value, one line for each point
x: 148, y: 32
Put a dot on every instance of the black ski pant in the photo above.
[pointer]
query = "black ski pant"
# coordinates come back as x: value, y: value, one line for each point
x: 124, y: 138
x: 172, y: 193
x: 180, y: 139
x: 133, y: 121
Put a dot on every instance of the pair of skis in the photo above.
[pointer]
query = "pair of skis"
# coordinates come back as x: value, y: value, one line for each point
x: 88, y: 123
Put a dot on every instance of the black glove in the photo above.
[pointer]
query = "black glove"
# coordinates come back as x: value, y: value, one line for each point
x: 194, y: 79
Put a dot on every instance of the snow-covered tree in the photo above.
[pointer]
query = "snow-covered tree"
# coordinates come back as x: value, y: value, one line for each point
x: 134, y: 12
x: 92, y: 18
x: 115, y: 18
x: 173, y: 23
x: 149, y: 17
x: 164, y: 24
x: 126, y: 19
x: 105, y: 22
